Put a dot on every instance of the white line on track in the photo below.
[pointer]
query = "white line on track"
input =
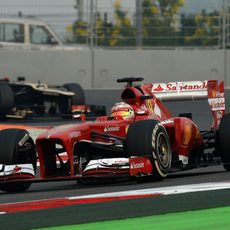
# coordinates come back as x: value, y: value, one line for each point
x: 163, y: 190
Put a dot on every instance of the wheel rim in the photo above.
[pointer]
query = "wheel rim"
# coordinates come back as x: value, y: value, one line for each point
x: 162, y: 150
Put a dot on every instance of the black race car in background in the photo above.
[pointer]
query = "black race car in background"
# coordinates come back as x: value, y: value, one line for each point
x: 21, y: 99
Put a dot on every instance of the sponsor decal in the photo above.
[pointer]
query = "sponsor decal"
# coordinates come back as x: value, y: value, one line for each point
x: 219, y: 115
x: 111, y: 129
x: 140, y: 165
x: 218, y: 94
x: 158, y: 88
x: 217, y: 103
x: 58, y: 129
x: 23, y: 140
x: 179, y: 86
x: 137, y: 165
x: 75, y: 134
x: 154, y: 139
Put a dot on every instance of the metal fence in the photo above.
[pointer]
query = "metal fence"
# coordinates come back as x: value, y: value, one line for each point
x: 132, y: 23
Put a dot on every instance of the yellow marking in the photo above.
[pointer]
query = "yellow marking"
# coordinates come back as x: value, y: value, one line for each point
x: 149, y: 104
x: 126, y: 129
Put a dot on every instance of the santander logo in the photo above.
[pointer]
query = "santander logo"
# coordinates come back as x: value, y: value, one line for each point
x: 179, y: 86
x: 158, y: 88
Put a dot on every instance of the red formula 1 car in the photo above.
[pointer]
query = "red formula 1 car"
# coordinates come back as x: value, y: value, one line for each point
x: 140, y: 138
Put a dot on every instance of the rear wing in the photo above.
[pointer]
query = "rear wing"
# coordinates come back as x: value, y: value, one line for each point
x: 213, y: 90
x: 173, y: 91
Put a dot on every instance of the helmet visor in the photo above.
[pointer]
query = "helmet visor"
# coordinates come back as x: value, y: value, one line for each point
x: 120, y: 113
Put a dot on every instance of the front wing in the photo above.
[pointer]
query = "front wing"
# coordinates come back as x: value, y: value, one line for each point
x: 19, y: 171
x: 104, y: 168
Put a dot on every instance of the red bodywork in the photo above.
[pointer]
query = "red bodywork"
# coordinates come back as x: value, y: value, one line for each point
x: 183, y: 133
x: 107, y: 134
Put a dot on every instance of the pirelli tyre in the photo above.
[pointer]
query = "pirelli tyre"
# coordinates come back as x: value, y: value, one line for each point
x: 6, y: 100
x: 17, y: 147
x: 78, y: 99
x: 150, y: 138
x: 223, y: 138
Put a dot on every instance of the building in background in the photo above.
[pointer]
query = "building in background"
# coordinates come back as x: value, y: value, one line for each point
x: 148, y: 23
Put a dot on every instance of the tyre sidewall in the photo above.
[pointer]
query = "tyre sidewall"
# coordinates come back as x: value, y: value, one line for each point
x: 158, y: 132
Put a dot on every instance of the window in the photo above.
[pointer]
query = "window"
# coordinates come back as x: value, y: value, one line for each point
x: 40, y: 35
x: 12, y: 32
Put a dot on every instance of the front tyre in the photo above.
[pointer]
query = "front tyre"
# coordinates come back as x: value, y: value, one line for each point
x: 150, y: 138
x: 17, y: 147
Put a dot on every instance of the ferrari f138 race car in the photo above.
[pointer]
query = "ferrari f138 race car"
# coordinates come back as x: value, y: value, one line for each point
x: 139, y: 139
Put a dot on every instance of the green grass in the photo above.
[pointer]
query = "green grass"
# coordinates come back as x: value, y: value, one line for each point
x: 211, y: 219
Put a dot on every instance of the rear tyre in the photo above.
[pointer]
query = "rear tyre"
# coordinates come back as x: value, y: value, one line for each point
x: 149, y: 138
x: 79, y: 97
x: 65, y: 105
x: 6, y: 100
x: 17, y: 147
x: 224, y: 141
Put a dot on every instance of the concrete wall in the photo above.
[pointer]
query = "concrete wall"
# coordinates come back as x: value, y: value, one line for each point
x: 51, y: 67
x: 100, y: 68
x: 158, y: 65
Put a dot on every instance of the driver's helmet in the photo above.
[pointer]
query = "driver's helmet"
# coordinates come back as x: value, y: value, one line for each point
x: 122, y: 109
